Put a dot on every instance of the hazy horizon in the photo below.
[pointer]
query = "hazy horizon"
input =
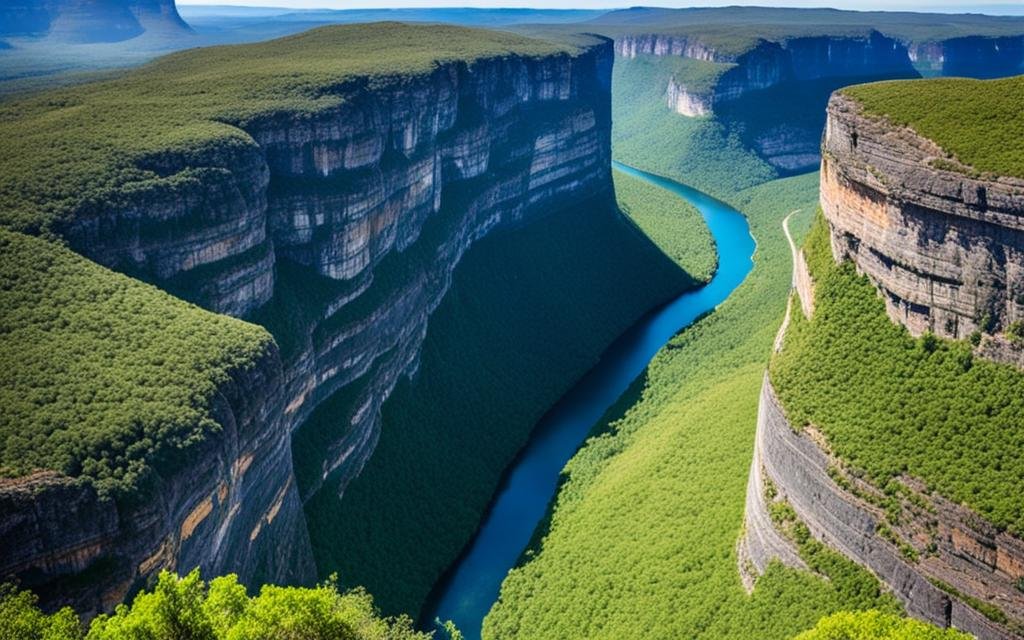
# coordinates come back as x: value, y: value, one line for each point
x: 943, y: 6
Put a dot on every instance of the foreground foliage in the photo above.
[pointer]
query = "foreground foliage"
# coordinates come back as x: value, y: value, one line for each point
x: 892, y: 405
x: 875, y: 625
x: 186, y: 607
x: 980, y: 122
x: 102, y: 376
x: 642, y: 536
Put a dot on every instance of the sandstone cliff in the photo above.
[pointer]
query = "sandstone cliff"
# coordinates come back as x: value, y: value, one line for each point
x: 340, y: 232
x: 945, y: 246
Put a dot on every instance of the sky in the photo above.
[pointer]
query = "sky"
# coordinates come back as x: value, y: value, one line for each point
x: 986, y: 6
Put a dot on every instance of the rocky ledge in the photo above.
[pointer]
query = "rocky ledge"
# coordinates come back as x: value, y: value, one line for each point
x: 943, y: 244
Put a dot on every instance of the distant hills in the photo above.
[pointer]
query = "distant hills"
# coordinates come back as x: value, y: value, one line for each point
x: 90, y: 21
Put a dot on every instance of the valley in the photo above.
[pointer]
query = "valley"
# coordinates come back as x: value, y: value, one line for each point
x: 475, y: 332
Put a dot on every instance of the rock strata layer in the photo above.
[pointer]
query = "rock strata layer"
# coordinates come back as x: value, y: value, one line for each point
x: 340, y: 232
x: 958, y: 550
x: 945, y: 246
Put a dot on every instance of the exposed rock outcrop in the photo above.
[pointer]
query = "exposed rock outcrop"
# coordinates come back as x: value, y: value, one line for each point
x: 686, y: 102
x: 945, y: 247
x: 233, y: 508
x: 952, y: 546
x: 339, y: 231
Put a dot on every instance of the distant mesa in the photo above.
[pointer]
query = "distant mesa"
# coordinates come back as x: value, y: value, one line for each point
x: 89, y: 21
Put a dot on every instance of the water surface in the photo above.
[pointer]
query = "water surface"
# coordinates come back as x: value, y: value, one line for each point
x: 471, y: 587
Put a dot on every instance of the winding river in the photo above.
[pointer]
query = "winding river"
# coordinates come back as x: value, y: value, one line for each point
x: 471, y: 587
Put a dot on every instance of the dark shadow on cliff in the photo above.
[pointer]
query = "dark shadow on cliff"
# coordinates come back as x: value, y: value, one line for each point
x: 782, y: 124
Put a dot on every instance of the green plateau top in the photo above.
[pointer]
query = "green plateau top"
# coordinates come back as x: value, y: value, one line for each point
x: 72, y: 150
x: 979, y: 122
x: 102, y: 376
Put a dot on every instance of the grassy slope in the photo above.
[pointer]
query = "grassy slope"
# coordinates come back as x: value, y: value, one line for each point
x: 670, y: 222
x: 980, y: 122
x: 891, y: 404
x: 528, y: 313
x: 641, y: 541
x: 69, y: 151
x: 102, y: 376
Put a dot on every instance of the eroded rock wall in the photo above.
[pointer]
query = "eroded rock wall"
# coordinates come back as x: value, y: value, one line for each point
x: 771, y: 63
x: 971, y: 56
x: 965, y: 553
x: 945, y: 247
x: 233, y: 507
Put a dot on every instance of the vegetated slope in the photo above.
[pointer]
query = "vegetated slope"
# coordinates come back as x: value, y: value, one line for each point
x: 104, y: 377
x: 874, y: 625
x: 979, y: 122
x: 68, y: 152
x: 890, y: 404
x: 188, y: 607
x: 703, y: 152
x: 527, y: 314
x: 641, y: 540
x: 670, y: 222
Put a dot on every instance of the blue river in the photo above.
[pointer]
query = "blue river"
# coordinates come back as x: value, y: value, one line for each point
x: 471, y: 587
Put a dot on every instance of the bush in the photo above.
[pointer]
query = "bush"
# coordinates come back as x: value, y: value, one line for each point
x: 180, y: 608
x: 875, y: 625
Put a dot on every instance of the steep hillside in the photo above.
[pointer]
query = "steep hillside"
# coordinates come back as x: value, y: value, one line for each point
x: 329, y: 192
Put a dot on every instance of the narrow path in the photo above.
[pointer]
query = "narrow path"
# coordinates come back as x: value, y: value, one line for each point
x: 472, y: 585
x: 793, y: 252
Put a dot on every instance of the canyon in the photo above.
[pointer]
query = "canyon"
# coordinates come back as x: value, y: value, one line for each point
x: 761, y: 87
x: 369, y: 205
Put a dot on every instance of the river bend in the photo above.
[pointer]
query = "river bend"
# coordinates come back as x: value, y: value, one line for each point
x: 471, y: 587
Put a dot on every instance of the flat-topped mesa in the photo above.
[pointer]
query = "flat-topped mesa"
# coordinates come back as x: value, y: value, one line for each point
x: 337, y: 223
x: 944, y: 243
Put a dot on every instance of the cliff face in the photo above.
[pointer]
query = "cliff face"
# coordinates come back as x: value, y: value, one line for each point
x: 233, y: 508
x: 945, y: 248
x: 957, y: 547
x: 771, y: 63
x: 340, y: 232
x: 971, y: 56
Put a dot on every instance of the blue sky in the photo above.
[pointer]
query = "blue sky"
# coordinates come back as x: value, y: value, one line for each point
x: 987, y: 6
